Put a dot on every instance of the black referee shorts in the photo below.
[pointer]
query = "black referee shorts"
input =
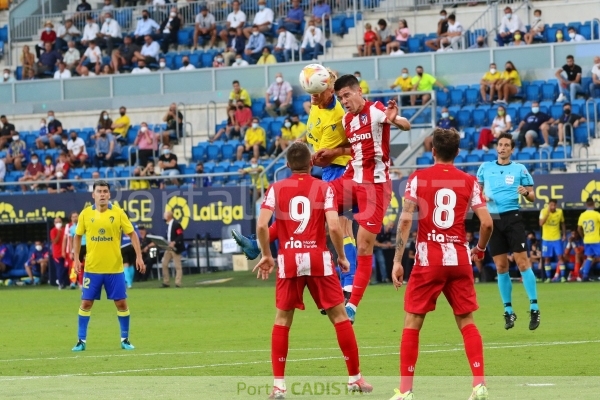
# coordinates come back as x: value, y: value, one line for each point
x: 128, y: 254
x: 509, y: 234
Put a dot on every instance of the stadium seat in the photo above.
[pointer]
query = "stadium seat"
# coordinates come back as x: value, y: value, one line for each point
x: 471, y: 97
x: 414, y: 45
x: 464, y: 118
x: 199, y: 152
x: 228, y: 151
x: 533, y: 93
x: 258, y: 107
x: 213, y: 150
x: 441, y: 98
x: 457, y: 97
x: 556, y: 110
x: 466, y: 140
x: 560, y: 153
x: 491, y: 155
x: 581, y: 134
x: 586, y: 31
x: 549, y: 92
x: 425, y: 159
x: 479, y: 117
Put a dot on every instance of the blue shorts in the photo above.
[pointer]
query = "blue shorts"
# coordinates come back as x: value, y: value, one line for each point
x: 114, y: 286
x: 592, y: 249
x: 332, y: 172
x: 46, y: 139
x: 551, y: 248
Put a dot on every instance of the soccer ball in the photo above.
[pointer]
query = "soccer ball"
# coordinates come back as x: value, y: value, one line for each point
x: 314, y: 78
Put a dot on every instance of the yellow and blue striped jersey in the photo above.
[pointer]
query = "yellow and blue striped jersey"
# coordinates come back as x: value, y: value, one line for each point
x: 589, y: 221
x: 325, y: 130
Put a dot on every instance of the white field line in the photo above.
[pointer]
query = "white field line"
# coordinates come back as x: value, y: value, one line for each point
x: 232, y: 364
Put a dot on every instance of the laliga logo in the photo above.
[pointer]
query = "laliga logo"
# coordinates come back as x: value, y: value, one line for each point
x: 592, y: 189
x: 7, y: 212
x: 180, y: 209
x: 439, y: 238
x: 293, y: 244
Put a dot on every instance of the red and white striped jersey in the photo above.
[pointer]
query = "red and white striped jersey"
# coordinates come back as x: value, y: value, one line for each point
x: 369, y: 134
x: 299, y: 204
x: 444, y: 195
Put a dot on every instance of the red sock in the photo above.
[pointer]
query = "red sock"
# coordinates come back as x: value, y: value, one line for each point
x: 409, y: 352
x: 279, y: 349
x: 347, y: 341
x: 273, y: 232
x: 362, y: 278
x: 576, y: 271
x: 474, y: 350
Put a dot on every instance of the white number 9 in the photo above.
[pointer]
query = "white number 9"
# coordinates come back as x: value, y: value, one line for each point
x: 300, y: 212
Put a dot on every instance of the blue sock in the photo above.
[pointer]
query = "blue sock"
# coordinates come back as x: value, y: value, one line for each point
x: 530, y: 288
x: 562, y: 271
x: 84, y: 320
x: 129, y: 272
x: 587, y: 266
x: 124, y: 323
x: 505, y: 286
x: 548, y: 271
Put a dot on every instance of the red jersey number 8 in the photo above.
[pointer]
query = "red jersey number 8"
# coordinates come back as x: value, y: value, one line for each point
x: 443, y: 213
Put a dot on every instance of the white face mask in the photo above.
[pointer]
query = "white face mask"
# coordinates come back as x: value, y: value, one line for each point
x: 492, y: 71
x: 572, y: 35
x: 59, y: 175
x: 279, y: 79
x: 6, y: 75
x: 404, y: 75
x: 253, y: 165
x: 38, y: 247
x: 509, y: 15
x: 445, y: 115
x: 42, y: 124
x: 219, y: 59
x: 71, y: 49
x: 358, y: 78
x: 442, y: 17
x: 288, y: 124
x: 58, y: 225
x: 238, y: 60
x: 255, y: 33
x: 254, y: 125
x: 48, y: 29
x: 143, y: 129
x: 535, y: 110
x: 166, y: 151
x: 50, y: 118
x: 105, y: 116
x: 15, y: 138
x: 173, y: 15
x: 34, y: 161
x: 107, y: 20
x: 162, y: 64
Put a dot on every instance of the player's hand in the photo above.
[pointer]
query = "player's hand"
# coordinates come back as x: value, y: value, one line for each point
x: 477, y: 254
x: 140, y: 265
x: 265, y: 267
x: 391, y: 112
x: 398, y: 274
x: 324, y: 157
x: 522, y: 191
x: 344, y: 264
x: 77, y: 266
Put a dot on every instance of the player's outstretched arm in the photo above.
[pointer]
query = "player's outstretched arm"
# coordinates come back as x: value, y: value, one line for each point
x: 76, y: 250
x: 324, y: 157
x: 404, y: 225
x: 266, y: 264
x: 393, y: 118
x: 337, y: 238
x: 139, y: 260
x: 527, y: 192
x: 486, y: 225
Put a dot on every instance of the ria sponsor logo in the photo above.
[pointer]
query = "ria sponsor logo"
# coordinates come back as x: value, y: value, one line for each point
x: 299, y: 244
x: 358, y: 137
x: 441, y: 238
x: 101, y: 239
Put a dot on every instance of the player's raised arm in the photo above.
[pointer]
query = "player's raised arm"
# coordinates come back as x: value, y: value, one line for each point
x: 337, y: 238
x: 404, y: 225
x: 393, y: 118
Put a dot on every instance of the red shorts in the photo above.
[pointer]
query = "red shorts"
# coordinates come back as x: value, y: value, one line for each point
x: 426, y: 284
x: 372, y: 200
x: 325, y: 291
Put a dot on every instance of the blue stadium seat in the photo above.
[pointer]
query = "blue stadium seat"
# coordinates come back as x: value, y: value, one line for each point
x: 544, y: 156
x: 581, y: 134
x: 586, y: 31
x: 199, y: 152
x: 209, y: 166
x: 523, y: 111
x: 533, y: 93
x: 228, y: 151
x: 415, y: 45
x: 338, y: 25
x: 526, y: 153
x: 258, y: 107
x: 491, y: 155
x: 213, y: 150
x: 207, y: 60
x: 549, y: 92
x: 467, y: 138
x: 479, y: 117
x: 559, y: 153
x: 513, y: 112
x: 556, y: 110
x: 492, y: 113
x: 441, y: 98
x: 457, y: 97
x: 472, y: 96
x: 298, y: 104
x: 425, y: 159
x: 464, y: 118
x: 276, y: 127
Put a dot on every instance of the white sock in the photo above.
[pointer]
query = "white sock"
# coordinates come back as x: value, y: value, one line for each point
x: 123, y: 339
x: 352, y: 306
x: 354, y: 378
x: 279, y: 383
x: 83, y: 340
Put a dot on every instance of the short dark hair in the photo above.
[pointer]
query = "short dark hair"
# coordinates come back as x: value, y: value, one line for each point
x: 537, y: 10
x: 507, y: 135
x: 442, y: 11
x: 382, y: 22
x: 298, y: 156
x: 590, y: 202
x: 570, y: 57
x: 452, y: 17
x: 553, y: 201
x: 446, y: 143
x: 345, y: 81
x: 101, y: 183
x: 234, y: 82
x: 572, y: 28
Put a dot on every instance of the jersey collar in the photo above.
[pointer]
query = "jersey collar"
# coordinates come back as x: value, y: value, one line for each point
x: 109, y: 206
x: 331, y: 105
x: 503, y: 165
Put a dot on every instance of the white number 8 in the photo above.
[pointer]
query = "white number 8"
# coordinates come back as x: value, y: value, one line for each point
x: 300, y: 212
x: 443, y: 214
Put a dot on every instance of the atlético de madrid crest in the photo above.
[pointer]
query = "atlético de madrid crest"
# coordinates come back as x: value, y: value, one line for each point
x: 363, y: 119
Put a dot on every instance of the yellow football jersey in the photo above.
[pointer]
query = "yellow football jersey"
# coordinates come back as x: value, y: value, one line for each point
x: 325, y: 130
x: 551, y: 230
x: 103, y: 234
x: 589, y: 221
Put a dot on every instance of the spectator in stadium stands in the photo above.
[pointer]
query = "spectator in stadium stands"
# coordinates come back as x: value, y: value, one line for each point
x: 47, y: 61
x: 371, y: 40
x: 231, y: 123
x: 49, y: 170
x: 110, y: 33
x: 7, y: 76
x: 263, y: 19
x: 17, y: 152
x: 286, y: 44
x: 442, y: 29
x: 107, y: 7
x: 569, y: 79
x: 56, y: 238
x: 186, y: 65
x: 84, y: 71
x: 312, y: 43
x: 30, y: 76
x: 27, y: 61
x: 537, y: 28
x: 104, y: 123
x: 423, y: 82
x: 201, y: 181
x: 480, y: 43
x: 243, y: 119
x: 293, y: 20
x: 509, y: 83
x: 141, y: 68
x: 71, y: 57
x: 510, y: 25
x: 121, y: 125
x: 595, y: 84
x: 560, y: 128
x: 5, y: 257
x: 146, y: 26
x: 488, y: 84
x: 149, y: 172
x: 90, y: 31
x: 83, y: 7
x: 66, y: 33
x: 444, y: 47
x: 535, y: 255
x: 90, y: 182
x: 94, y: 55
x: 240, y: 62
x: 33, y: 172
x: 138, y: 184
x: 123, y: 56
x: 454, y: 32
x: 363, y: 84
x: 62, y: 72
x: 321, y: 11
x: 266, y: 58
x: 219, y: 61
x: 404, y: 83
x: 48, y: 36
x: 146, y: 142
x: 235, y: 19
x: 278, y: 97
x: 256, y: 44
x: 105, y: 148
x: 254, y: 170
x: 162, y: 65
x: 107, y: 70
x: 205, y: 27
x: 239, y: 93
x: 574, y: 36
x: 530, y: 128
x: 37, y: 263
x: 77, y: 153
x: 502, y: 123
x: 149, y: 51
x: 62, y: 172
x: 168, y: 165
x: 53, y: 131
x: 293, y: 129
x: 445, y: 122
x: 517, y: 40
x: 174, y: 125
x: 169, y: 29
x: 6, y: 132
x: 383, y: 240
x: 2, y: 172
x: 255, y: 141
x: 64, y: 140
x: 236, y: 42
x: 385, y: 34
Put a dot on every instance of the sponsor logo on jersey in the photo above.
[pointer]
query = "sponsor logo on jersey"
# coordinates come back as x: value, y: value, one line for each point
x: 360, y: 136
x: 441, y: 238
x: 101, y: 239
x: 300, y: 244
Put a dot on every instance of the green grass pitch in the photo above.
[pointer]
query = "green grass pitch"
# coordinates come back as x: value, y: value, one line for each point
x: 213, y: 342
